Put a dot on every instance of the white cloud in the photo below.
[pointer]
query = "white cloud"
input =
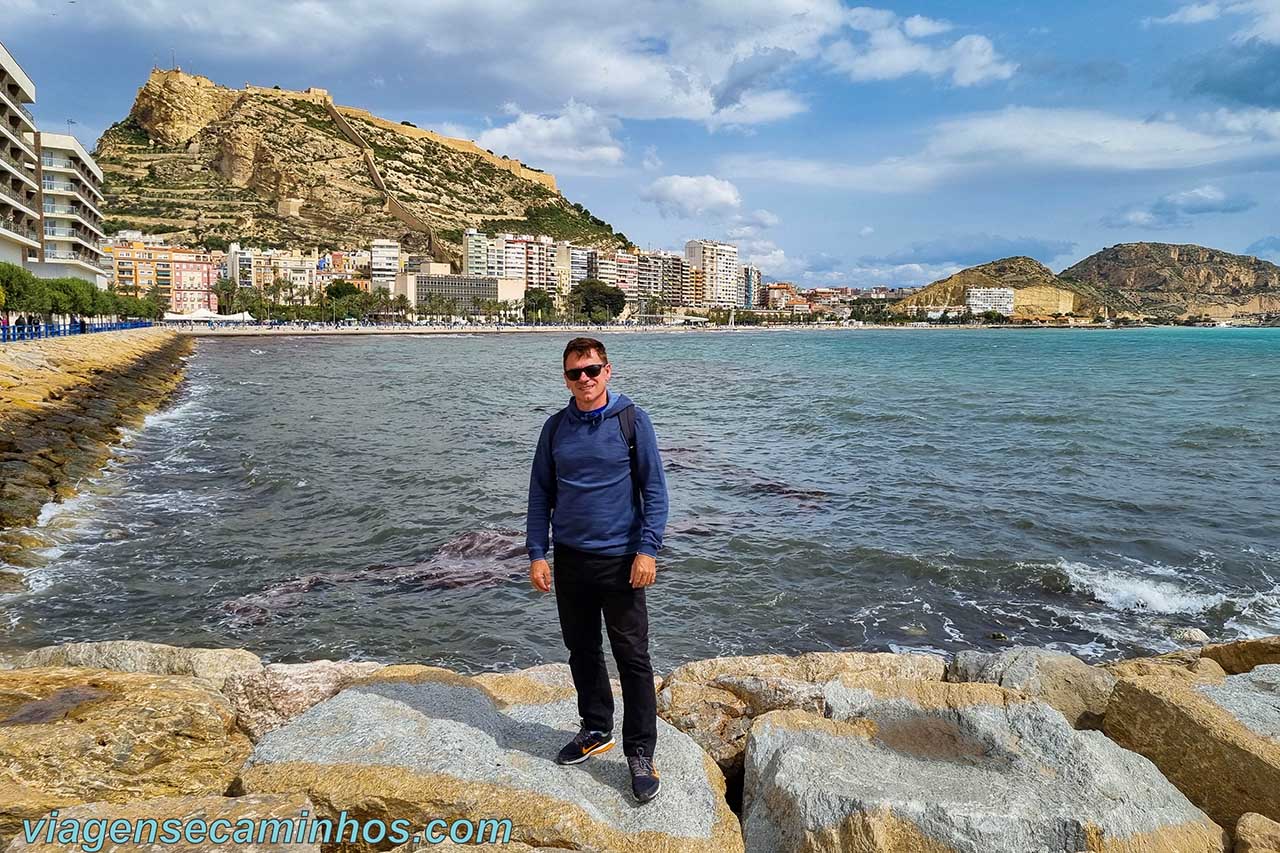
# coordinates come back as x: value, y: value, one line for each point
x: 1257, y: 123
x: 1263, y: 15
x: 918, y: 26
x: 1193, y: 13
x: 866, y: 231
x: 688, y: 196
x: 1032, y: 140
x: 1173, y: 210
x: 578, y: 139
x: 891, y: 50
x: 652, y: 162
x: 752, y: 224
x: 709, y: 61
x: 457, y: 131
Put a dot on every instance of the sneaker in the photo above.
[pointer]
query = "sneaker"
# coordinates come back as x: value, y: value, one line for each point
x: 644, y: 776
x: 584, y: 745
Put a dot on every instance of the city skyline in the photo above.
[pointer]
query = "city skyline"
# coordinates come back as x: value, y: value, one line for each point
x: 853, y: 145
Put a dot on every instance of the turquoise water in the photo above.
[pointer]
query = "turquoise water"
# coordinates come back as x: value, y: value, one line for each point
x: 920, y: 489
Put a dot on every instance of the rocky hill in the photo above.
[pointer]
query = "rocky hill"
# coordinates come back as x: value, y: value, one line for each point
x: 1163, y: 278
x: 207, y: 164
x: 1037, y: 291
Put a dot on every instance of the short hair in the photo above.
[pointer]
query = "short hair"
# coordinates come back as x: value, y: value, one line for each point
x: 583, y: 346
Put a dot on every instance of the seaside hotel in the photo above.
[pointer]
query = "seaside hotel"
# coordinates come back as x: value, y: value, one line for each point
x: 50, y: 190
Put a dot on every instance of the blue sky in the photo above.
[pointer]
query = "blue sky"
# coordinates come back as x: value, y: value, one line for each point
x: 836, y: 144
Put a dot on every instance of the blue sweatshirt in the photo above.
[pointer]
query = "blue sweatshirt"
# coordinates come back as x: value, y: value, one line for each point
x: 589, y: 502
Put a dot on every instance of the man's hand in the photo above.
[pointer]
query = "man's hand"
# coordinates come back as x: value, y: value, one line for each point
x: 540, y: 575
x: 644, y: 569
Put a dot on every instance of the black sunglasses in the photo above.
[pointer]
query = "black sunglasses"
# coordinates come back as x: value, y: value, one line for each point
x: 573, y: 374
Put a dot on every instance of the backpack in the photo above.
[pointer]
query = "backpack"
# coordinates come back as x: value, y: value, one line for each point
x: 626, y: 424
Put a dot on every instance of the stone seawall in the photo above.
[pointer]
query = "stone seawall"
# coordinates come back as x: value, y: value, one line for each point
x: 63, y: 402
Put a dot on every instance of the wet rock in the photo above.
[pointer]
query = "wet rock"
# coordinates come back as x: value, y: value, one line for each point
x: 266, y: 698
x: 138, y: 812
x: 418, y: 743
x: 74, y: 735
x: 1065, y: 682
x: 714, y: 701
x: 1189, y: 637
x: 212, y: 665
x: 920, y: 766
x: 1215, y: 736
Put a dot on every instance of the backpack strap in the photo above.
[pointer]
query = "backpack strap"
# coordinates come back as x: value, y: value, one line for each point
x: 556, y: 420
x: 627, y: 423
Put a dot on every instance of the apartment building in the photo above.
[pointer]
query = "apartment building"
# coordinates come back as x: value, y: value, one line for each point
x: 979, y: 300
x: 20, y: 217
x: 752, y: 292
x: 721, y: 277
x: 626, y: 274
x: 184, y: 278
x: 780, y: 294
x: 602, y: 267
x: 384, y: 264
x: 71, y: 183
x: 665, y: 275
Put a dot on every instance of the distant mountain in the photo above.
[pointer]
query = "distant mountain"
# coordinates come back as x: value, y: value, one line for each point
x: 1169, y: 279
x: 1037, y: 291
x: 207, y: 164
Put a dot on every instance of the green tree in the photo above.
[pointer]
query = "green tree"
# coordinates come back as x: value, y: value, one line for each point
x: 597, y: 301
x: 401, y: 305
x: 225, y: 289
x: 340, y: 288
x: 539, y: 306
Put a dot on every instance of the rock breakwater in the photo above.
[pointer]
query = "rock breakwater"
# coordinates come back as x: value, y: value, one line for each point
x: 63, y: 402
x: 842, y: 751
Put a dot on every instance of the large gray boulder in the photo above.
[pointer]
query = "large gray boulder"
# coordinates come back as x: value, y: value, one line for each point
x: 1065, y: 682
x: 213, y: 665
x: 714, y: 701
x: 419, y: 743
x: 970, y: 768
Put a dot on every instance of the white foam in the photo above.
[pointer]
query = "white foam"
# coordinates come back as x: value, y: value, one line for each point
x: 1125, y: 592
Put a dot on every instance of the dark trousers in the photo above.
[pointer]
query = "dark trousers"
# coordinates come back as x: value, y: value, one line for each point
x: 586, y: 586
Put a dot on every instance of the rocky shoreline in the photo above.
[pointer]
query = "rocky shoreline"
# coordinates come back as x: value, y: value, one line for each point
x: 1017, y: 751
x: 63, y: 402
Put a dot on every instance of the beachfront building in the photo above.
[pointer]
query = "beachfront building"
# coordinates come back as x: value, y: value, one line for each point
x: 468, y: 293
x: 72, y: 187
x: 979, y: 300
x: 720, y: 272
x: 384, y: 264
x: 752, y: 292
x: 534, y: 259
x: 183, y: 278
x: 780, y: 294
x: 666, y: 276
x: 602, y: 267
x: 626, y: 275
x: 20, y: 217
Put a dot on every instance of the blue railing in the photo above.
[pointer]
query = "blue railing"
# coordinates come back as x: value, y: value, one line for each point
x: 37, y: 331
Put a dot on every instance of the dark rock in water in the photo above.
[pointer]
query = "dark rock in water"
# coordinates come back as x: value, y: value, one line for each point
x: 477, y: 559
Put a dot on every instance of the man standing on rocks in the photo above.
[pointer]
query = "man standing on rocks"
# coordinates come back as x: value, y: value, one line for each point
x: 597, y: 480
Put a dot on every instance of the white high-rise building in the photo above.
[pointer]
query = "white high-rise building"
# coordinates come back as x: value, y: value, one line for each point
x: 384, y: 264
x: 721, y: 276
x: 603, y: 268
x: 980, y: 300
x: 72, y: 232
x: 20, y: 215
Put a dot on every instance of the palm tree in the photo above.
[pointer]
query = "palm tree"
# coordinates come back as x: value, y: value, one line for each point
x: 402, y: 306
x: 225, y: 289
